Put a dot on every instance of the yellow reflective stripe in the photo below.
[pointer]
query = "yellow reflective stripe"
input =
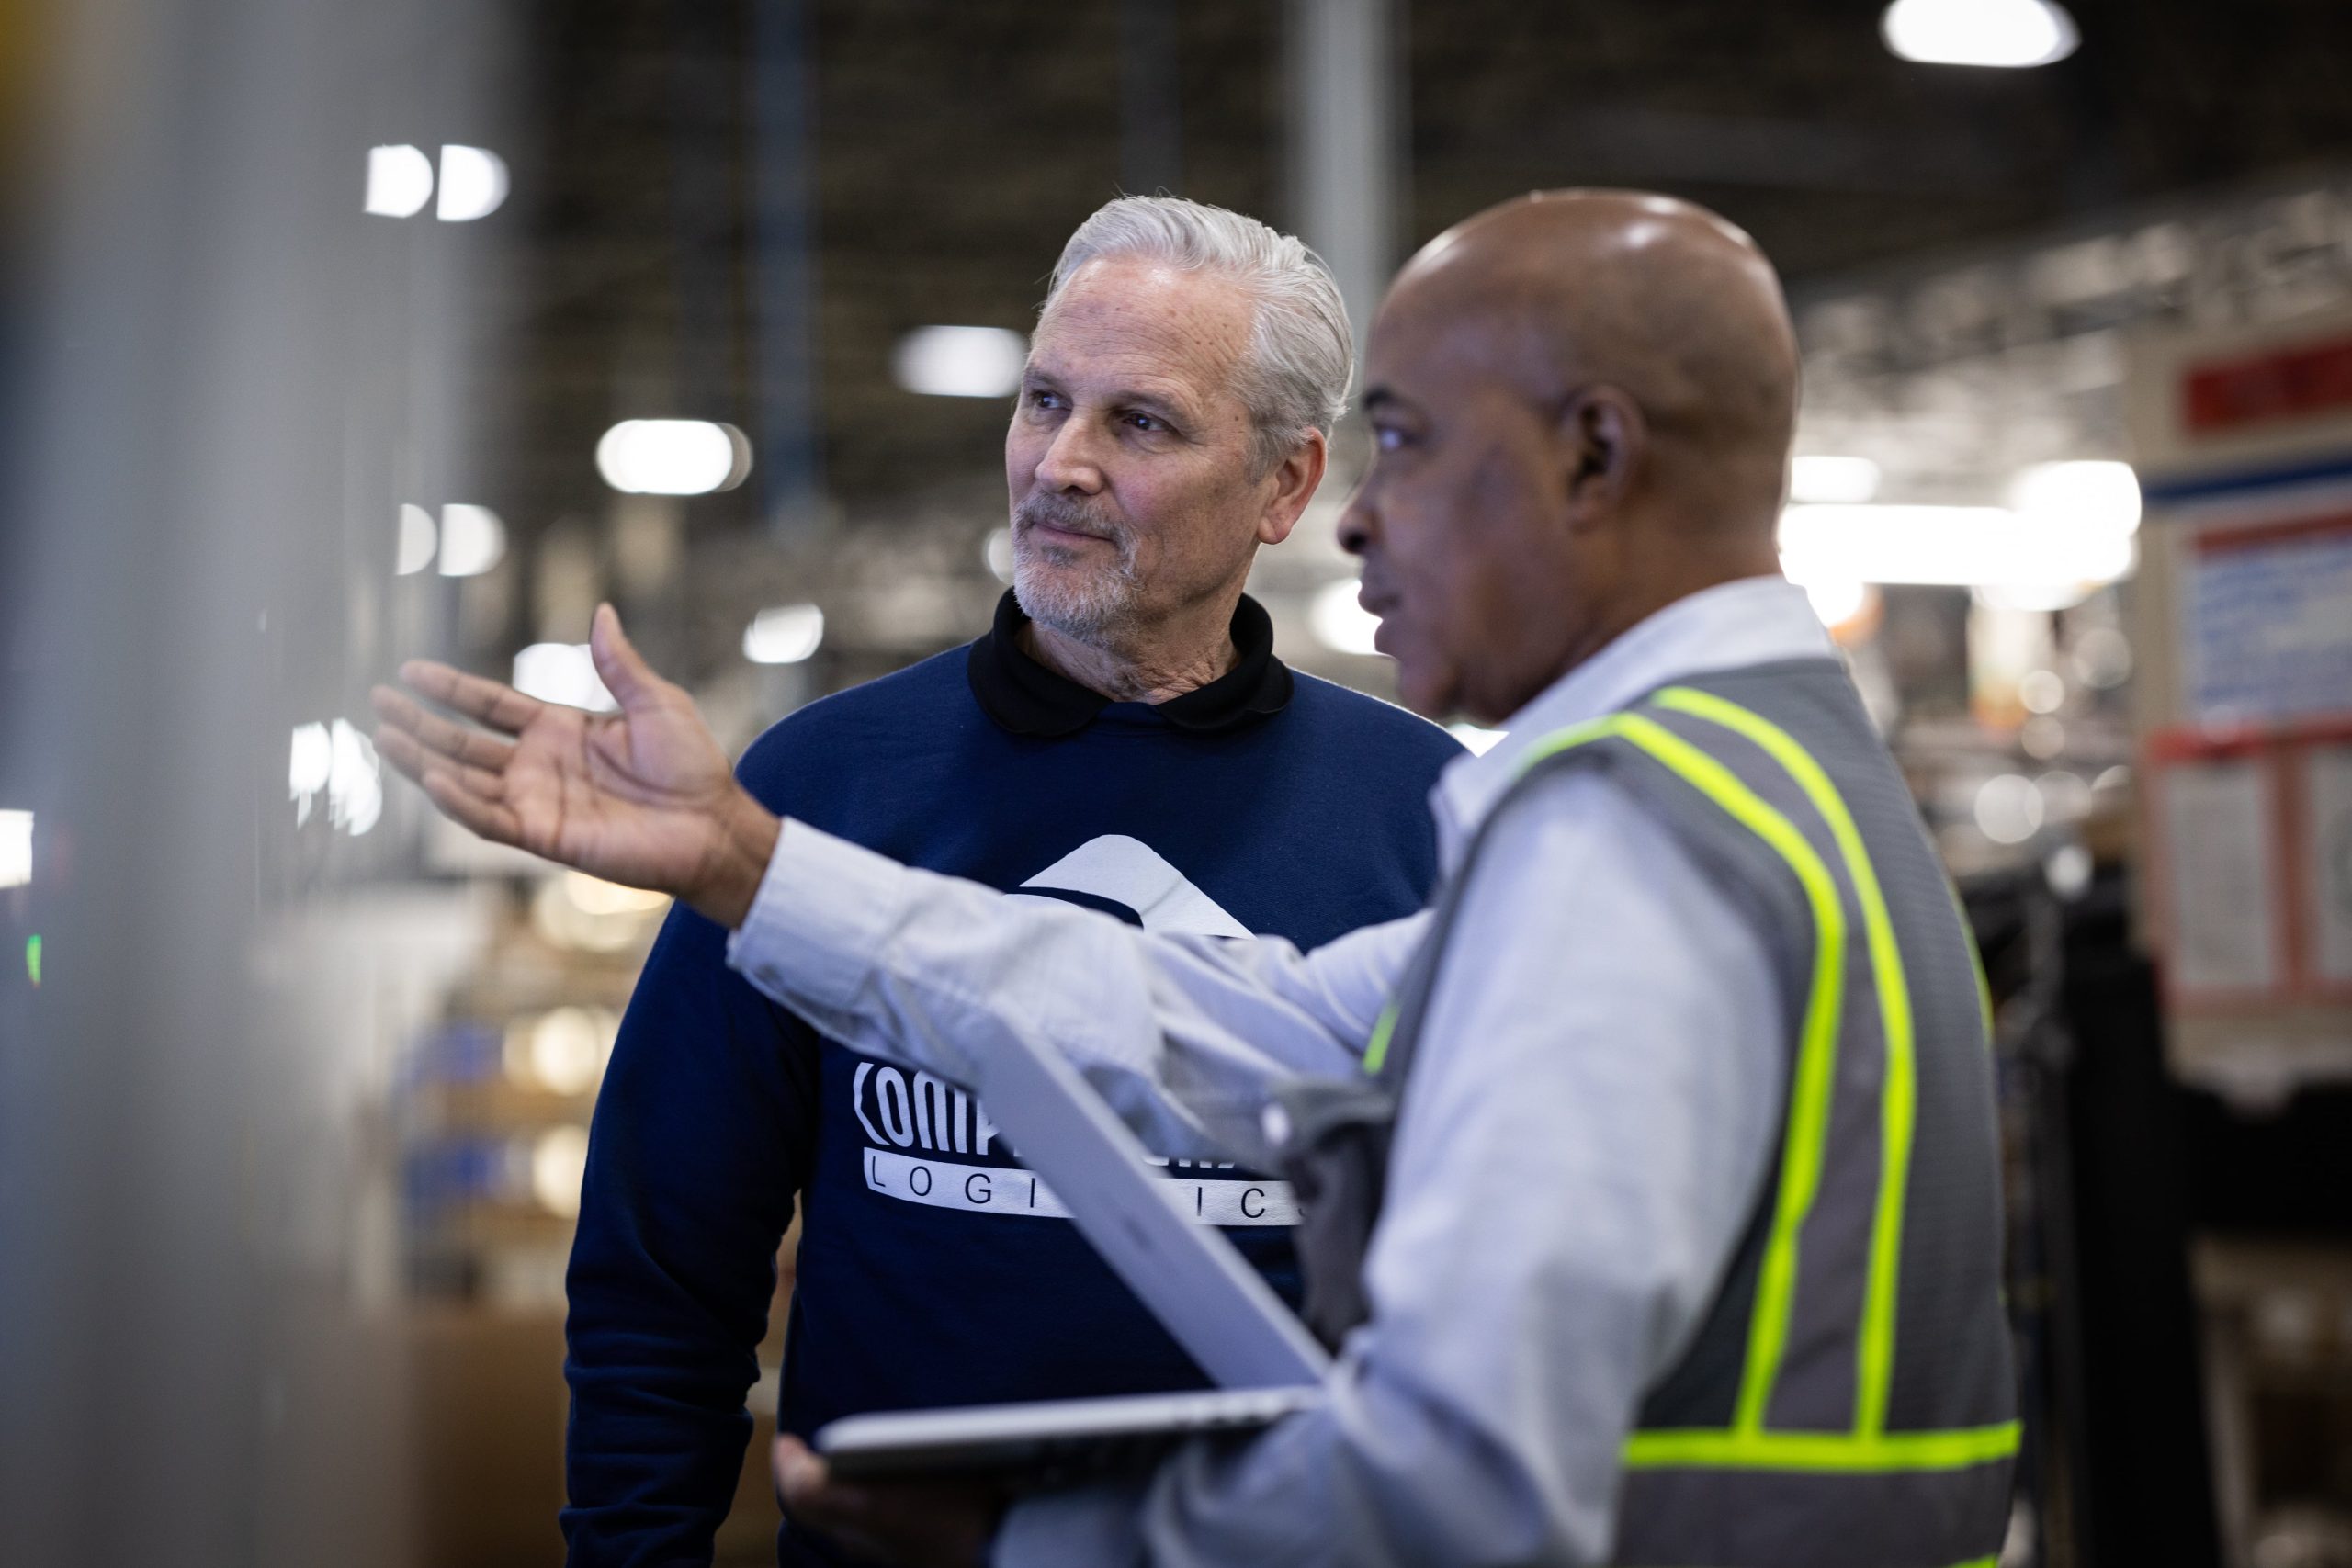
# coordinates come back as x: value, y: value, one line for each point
x: 1975, y: 967
x: 1808, y: 1123
x: 1821, y: 1452
x: 1560, y: 740
x: 1898, y: 1102
x: 1377, y: 1051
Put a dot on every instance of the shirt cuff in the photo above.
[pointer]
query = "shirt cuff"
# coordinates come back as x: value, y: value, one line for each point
x: 823, y: 910
x: 1088, y: 1527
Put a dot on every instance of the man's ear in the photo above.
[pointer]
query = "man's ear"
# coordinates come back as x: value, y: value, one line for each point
x: 1295, y: 480
x: 1603, y: 439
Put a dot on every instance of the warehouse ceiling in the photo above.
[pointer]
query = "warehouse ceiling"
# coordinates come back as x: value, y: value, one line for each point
x: 944, y: 150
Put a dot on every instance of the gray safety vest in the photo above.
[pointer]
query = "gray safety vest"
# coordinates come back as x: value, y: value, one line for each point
x: 1847, y: 1400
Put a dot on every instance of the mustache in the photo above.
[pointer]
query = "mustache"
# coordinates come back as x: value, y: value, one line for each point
x: 1058, y: 511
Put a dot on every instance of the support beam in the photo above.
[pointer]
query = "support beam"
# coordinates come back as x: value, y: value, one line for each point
x: 1346, y: 99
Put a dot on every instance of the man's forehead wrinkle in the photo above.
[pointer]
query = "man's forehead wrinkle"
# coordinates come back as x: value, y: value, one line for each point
x: 1148, y: 326
x: 1136, y: 378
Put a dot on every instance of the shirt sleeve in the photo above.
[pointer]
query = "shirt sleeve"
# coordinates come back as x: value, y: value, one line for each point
x: 702, y: 1132
x: 1180, y: 1034
x: 1588, y: 1124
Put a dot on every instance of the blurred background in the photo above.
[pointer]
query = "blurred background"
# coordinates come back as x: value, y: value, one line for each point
x: 334, y: 334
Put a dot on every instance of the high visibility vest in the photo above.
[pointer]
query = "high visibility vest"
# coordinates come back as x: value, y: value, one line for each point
x: 1847, y: 1400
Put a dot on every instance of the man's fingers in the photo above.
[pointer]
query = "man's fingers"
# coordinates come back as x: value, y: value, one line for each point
x: 799, y: 1472
x: 398, y: 747
x: 486, y: 817
x: 454, y: 741
x: 623, y: 669
x: 812, y: 1495
x: 493, y: 703
x: 419, y: 764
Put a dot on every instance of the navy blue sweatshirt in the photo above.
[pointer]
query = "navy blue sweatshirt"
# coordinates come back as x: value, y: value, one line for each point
x: 931, y: 1269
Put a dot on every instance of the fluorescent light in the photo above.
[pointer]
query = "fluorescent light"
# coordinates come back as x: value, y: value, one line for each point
x: 473, y: 183
x: 400, y: 181
x: 473, y: 540
x: 1837, y: 600
x: 960, y: 362
x: 2102, y: 495
x: 2040, y: 597
x: 308, y: 766
x: 563, y: 672
x: 785, y: 635
x: 1846, y: 480
x: 672, y: 457
x: 354, y: 780
x: 1961, y: 545
x: 15, y: 848
x: 2010, y: 33
x: 1339, y: 621
x: 418, y: 538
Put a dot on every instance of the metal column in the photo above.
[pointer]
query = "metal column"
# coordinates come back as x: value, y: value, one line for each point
x: 1346, y: 108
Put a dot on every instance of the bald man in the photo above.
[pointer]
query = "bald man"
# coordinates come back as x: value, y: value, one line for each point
x: 1650, y: 1174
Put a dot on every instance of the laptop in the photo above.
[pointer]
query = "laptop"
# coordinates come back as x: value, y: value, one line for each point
x: 1265, y: 1363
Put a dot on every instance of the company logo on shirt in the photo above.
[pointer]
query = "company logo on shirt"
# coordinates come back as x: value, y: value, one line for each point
x: 1143, y: 888
x: 916, y: 1125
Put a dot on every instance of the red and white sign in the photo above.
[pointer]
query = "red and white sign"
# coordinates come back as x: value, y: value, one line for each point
x: 2251, y: 865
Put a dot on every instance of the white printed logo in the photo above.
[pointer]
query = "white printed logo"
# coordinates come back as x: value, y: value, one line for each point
x: 923, y: 1115
x: 1129, y: 872
x: 1001, y: 1189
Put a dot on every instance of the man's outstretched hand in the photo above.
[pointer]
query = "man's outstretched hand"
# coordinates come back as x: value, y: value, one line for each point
x: 643, y: 796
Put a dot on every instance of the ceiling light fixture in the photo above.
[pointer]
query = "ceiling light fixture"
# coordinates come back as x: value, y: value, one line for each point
x: 563, y: 672
x: 784, y: 635
x: 473, y: 540
x: 1964, y: 547
x: 1846, y: 480
x: 960, y: 362
x: 15, y: 848
x: 2102, y: 495
x: 672, y: 457
x: 2009, y: 34
x: 400, y: 181
x: 473, y: 183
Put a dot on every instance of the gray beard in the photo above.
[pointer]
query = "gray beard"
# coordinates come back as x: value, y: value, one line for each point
x: 1087, y: 610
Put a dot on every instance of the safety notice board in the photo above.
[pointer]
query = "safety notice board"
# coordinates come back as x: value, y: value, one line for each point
x: 2243, y: 631
x: 2251, y: 864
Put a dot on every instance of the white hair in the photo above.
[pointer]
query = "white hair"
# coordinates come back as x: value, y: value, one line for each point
x: 1300, y: 358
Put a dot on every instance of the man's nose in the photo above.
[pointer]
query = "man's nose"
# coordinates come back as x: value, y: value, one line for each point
x: 1355, y: 525
x: 1071, y: 462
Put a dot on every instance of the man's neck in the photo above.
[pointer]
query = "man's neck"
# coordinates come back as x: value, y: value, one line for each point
x: 1149, y: 666
x: 1672, y: 579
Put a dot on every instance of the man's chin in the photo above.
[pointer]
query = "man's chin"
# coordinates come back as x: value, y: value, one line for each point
x: 1076, y: 604
x: 1426, y: 687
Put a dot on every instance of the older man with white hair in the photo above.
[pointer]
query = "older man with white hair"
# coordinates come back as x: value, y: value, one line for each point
x: 1124, y: 738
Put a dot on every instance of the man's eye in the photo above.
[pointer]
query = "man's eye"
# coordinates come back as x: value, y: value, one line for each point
x: 1388, y: 438
x: 1039, y: 397
x: 1144, y: 421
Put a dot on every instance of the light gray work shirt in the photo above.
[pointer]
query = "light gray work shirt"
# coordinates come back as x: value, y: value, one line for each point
x: 1594, y: 1109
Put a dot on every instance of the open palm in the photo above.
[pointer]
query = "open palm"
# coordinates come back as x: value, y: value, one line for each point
x: 643, y: 796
